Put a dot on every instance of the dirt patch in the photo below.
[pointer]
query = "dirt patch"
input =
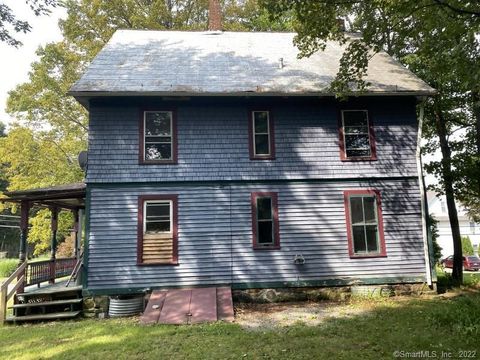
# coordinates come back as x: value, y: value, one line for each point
x: 267, y: 316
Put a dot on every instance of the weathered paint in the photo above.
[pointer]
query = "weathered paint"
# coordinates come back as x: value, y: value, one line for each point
x: 213, y: 141
x: 215, y: 236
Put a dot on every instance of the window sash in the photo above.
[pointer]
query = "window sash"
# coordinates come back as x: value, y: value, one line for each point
x: 163, y: 136
x: 255, y: 133
x: 365, y: 134
x: 266, y: 220
x: 169, y: 220
x: 365, y: 225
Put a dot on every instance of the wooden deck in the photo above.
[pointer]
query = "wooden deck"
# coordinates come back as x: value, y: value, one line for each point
x: 46, y: 289
x: 189, y: 306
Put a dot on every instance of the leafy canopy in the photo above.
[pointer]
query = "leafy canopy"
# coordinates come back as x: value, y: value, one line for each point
x: 10, y: 24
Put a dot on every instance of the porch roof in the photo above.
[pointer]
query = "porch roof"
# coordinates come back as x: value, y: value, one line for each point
x: 68, y: 196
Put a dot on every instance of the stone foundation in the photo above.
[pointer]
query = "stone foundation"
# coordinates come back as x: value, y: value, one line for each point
x: 340, y: 293
x: 95, y: 306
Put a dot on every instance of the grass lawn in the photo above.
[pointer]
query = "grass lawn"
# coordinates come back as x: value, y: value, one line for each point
x: 449, y: 323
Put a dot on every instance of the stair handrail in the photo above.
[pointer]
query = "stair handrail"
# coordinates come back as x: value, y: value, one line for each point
x: 74, y: 274
x: 5, y: 295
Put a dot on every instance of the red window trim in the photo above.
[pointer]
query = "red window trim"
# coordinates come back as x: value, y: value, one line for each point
x: 141, y: 153
x: 381, y: 234
x: 271, y: 127
x: 371, y: 132
x: 276, y: 231
x: 141, y: 201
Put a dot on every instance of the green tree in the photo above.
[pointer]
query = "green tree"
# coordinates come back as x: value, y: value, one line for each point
x: 467, y: 247
x: 437, y: 40
x: 9, y: 23
x: 40, y: 234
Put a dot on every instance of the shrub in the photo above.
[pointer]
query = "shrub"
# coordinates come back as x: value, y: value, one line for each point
x: 437, y: 249
x: 467, y: 248
x: 7, y: 267
x: 66, y: 248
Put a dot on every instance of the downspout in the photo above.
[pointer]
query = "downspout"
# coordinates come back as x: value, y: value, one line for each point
x: 423, y: 197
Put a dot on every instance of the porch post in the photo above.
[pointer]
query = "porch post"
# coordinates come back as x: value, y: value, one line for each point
x: 54, y: 225
x: 80, y: 231
x: 22, y: 256
x: 24, y: 209
x: 76, y: 231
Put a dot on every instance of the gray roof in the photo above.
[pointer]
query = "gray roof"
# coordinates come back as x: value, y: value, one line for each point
x: 138, y: 62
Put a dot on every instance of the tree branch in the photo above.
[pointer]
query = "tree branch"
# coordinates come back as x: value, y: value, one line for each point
x: 457, y: 9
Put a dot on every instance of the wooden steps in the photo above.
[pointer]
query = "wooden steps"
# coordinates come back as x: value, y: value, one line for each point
x: 44, y: 317
x: 46, y: 304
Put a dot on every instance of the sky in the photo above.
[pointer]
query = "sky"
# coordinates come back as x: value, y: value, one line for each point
x: 15, y: 62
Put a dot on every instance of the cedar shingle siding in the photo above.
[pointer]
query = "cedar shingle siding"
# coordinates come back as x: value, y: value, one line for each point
x: 213, y: 142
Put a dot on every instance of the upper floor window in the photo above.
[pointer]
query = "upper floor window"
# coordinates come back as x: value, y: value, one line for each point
x: 357, y: 140
x: 443, y: 206
x: 363, y: 214
x: 158, y: 137
x: 157, y: 230
x: 261, y: 136
x: 265, y: 221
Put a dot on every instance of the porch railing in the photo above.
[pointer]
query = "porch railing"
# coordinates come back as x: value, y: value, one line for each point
x: 49, y: 270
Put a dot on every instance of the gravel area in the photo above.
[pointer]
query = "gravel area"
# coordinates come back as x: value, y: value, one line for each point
x: 267, y: 316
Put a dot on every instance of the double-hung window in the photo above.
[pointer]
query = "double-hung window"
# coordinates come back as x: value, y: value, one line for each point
x: 357, y: 140
x: 158, y: 137
x: 157, y: 230
x: 262, y: 145
x: 364, y: 223
x: 265, y: 228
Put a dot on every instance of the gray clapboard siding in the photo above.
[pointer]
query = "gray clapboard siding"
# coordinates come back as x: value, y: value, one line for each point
x: 213, y: 142
x: 215, y: 237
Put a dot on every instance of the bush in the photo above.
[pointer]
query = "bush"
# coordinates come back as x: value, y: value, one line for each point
x: 467, y: 247
x: 437, y: 249
x: 66, y: 248
x: 7, y: 267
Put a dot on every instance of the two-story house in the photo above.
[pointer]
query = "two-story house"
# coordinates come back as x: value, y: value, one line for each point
x: 221, y: 158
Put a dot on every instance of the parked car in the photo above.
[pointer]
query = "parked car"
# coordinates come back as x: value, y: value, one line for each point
x: 471, y: 263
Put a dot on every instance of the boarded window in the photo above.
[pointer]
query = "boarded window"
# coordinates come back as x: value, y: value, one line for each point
x: 357, y: 141
x: 261, y: 142
x: 158, y: 237
x: 158, y: 136
x: 365, y: 229
x: 265, y: 220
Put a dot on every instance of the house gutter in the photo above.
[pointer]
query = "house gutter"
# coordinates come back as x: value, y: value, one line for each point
x: 423, y: 202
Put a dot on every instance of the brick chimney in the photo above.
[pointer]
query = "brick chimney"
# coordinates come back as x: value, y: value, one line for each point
x: 214, y: 15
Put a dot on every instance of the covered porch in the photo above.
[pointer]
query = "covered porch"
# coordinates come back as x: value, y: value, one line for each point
x: 35, y: 276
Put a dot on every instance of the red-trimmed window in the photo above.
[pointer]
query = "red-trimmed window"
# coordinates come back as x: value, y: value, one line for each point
x: 262, y: 138
x: 357, y: 139
x: 363, y: 212
x: 158, y: 137
x: 157, y: 230
x: 265, y: 228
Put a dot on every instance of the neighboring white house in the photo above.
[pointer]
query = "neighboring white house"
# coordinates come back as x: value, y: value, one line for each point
x: 437, y: 206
